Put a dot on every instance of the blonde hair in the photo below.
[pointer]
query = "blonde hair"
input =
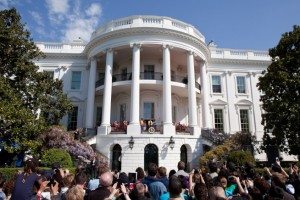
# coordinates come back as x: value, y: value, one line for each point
x: 75, y: 193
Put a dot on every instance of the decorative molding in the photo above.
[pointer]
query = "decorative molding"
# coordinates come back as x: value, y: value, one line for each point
x: 97, y: 41
x: 138, y: 45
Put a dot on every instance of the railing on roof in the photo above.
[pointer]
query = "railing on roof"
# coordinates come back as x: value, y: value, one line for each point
x: 148, y: 21
x: 239, y: 54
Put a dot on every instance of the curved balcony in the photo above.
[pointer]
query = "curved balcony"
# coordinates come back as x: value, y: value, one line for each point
x: 146, y: 76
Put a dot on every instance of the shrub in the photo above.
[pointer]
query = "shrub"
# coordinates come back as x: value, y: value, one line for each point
x: 10, y: 172
x: 57, y: 137
x: 240, y: 157
x: 60, y: 156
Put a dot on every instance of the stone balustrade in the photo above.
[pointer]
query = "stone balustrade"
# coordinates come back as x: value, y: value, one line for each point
x: 239, y: 54
x: 61, y: 47
x: 148, y: 21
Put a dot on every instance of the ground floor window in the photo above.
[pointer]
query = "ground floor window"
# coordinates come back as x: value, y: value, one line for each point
x: 122, y: 112
x: 150, y: 155
x: 148, y: 110
x: 183, y: 155
x: 174, y: 113
x: 219, y: 121
x: 72, y: 119
x: 244, y: 117
x: 116, y: 158
x: 99, y: 116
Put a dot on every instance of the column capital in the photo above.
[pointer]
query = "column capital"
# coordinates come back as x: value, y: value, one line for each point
x: 109, y: 50
x: 138, y: 45
x: 228, y: 72
x: 165, y: 46
x: 190, y: 52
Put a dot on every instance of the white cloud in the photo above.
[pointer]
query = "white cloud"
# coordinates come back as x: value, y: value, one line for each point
x: 94, y: 10
x: 58, y: 6
x: 37, y: 18
x: 58, y: 10
x: 82, y: 24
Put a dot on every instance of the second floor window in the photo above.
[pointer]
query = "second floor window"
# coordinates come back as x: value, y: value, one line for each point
x: 76, y: 80
x: 218, y: 117
x: 241, y: 84
x: 216, y: 84
x: 149, y: 72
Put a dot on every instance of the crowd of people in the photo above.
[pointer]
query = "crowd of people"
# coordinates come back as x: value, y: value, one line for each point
x: 216, y: 182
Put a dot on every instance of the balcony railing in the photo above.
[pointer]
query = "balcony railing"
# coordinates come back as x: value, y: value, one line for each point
x: 182, y: 128
x: 119, y: 127
x: 146, y: 76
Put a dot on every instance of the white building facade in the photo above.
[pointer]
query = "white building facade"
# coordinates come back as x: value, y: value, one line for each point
x: 149, y: 85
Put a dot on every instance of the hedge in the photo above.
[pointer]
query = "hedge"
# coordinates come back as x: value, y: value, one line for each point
x: 10, y: 172
x: 52, y: 156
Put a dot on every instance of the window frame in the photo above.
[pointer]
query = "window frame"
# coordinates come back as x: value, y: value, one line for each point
x: 214, y: 118
x: 74, y: 114
x: 237, y: 85
x: 72, y: 81
x: 212, y: 85
x: 248, y: 120
x: 152, y: 113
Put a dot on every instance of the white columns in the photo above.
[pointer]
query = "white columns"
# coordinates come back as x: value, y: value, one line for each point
x: 134, y: 126
x: 191, y: 90
x: 106, y: 108
x: 204, y: 93
x: 89, y: 119
x: 168, y: 127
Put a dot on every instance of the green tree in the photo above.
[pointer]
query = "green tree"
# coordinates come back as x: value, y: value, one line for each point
x: 25, y: 92
x: 281, y: 101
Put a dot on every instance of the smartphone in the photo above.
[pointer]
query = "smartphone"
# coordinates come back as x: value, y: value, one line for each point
x: 132, y: 176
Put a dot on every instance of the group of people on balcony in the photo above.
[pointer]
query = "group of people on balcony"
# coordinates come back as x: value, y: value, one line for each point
x: 146, y: 125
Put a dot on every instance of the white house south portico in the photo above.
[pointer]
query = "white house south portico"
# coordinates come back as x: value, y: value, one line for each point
x: 148, y: 86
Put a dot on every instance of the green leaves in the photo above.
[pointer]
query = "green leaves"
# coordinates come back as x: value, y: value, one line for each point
x: 23, y: 90
x: 281, y: 102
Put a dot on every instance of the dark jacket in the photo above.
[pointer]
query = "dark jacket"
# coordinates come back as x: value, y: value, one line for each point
x: 99, y: 194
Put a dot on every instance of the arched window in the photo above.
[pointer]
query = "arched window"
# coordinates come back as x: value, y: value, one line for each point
x: 116, y: 157
x: 150, y: 155
x: 183, y: 154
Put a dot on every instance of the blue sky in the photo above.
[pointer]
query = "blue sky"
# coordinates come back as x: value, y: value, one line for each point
x: 241, y: 24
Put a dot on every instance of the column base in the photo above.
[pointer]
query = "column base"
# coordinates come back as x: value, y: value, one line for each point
x: 195, y: 130
x: 169, y: 129
x: 103, y: 130
x: 133, y: 129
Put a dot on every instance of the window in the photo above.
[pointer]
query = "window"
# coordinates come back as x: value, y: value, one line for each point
x: 124, y: 74
x: 50, y: 73
x: 99, y: 116
x: 76, y: 80
x: 148, y: 110
x: 218, y: 115
x: 122, y: 112
x: 241, y: 84
x: 172, y: 75
x: 244, y: 120
x: 149, y: 72
x: 216, y: 84
x: 174, y: 113
x: 72, y: 119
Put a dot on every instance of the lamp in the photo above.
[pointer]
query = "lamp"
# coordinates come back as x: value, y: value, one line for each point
x: 171, y: 142
x: 131, y: 142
